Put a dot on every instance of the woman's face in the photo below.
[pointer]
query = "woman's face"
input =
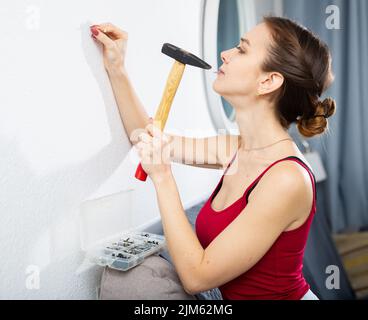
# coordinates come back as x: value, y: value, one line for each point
x: 242, y: 65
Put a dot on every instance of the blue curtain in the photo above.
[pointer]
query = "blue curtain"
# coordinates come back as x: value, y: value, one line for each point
x: 344, y: 149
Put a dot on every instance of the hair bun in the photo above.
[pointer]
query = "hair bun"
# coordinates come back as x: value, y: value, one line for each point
x: 325, y: 108
x: 317, y: 124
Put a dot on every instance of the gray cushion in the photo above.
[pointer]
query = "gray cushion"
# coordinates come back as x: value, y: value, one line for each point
x: 154, y: 279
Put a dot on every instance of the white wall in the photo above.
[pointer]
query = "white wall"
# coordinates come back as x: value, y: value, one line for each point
x: 62, y: 143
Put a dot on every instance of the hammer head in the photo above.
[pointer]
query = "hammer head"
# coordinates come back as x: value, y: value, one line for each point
x: 183, y: 56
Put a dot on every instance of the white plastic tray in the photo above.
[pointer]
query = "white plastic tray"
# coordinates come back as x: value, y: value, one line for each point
x: 127, y: 250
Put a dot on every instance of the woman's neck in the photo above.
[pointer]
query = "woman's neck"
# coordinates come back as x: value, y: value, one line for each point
x: 259, y: 126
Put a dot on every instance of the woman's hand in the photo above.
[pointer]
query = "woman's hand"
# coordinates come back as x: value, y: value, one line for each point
x: 154, y: 148
x: 114, y: 41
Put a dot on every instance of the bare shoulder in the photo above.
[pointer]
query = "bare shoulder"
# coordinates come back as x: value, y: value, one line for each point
x: 289, y: 181
x: 285, y: 175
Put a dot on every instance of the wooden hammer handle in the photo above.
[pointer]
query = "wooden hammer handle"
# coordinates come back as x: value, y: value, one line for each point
x: 163, y: 110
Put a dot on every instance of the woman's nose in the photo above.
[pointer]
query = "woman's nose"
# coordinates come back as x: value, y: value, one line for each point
x: 225, y: 56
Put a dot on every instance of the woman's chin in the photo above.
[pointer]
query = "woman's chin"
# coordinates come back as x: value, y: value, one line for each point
x: 216, y: 87
x: 219, y: 91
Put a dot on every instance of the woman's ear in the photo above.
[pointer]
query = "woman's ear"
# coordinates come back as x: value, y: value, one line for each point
x: 271, y: 82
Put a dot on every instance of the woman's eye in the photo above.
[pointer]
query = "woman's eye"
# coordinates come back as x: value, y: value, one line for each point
x: 240, y: 49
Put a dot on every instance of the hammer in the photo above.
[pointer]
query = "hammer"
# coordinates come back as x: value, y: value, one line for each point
x: 182, y: 58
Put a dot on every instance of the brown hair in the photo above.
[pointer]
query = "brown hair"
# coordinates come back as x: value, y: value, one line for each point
x: 305, y: 63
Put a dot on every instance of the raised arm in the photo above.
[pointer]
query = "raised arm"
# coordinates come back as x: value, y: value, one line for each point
x: 209, y: 152
x: 114, y: 42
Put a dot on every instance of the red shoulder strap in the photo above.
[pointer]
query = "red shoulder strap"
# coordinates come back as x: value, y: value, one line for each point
x: 232, y: 160
x: 292, y: 158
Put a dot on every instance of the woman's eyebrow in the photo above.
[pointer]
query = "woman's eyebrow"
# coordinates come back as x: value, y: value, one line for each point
x: 245, y: 40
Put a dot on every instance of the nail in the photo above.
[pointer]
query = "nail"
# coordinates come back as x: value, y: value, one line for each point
x: 94, y: 31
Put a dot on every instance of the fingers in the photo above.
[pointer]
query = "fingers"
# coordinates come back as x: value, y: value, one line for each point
x: 146, y: 140
x: 134, y: 137
x: 158, y: 134
x: 143, y: 146
x: 153, y: 130
x: 145, y: 151
x: 153, y: 141
x: 112, y: 31
x: 100, y: 36
x: 144, y: 137
x: 153, y: 152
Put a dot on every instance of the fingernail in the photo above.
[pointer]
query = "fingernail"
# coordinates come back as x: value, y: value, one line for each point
x: 94, y: 31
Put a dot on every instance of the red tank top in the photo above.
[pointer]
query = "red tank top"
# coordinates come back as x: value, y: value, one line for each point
x: 278, y: 274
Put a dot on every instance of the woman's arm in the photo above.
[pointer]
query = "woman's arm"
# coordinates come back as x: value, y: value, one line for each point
x: 132, y: 112
x: 182, y: 242
x: 115, y: 43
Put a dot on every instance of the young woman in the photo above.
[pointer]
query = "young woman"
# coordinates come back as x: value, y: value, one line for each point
x: 251, y: 233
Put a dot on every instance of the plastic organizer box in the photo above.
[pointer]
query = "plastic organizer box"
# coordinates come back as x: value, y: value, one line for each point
x: 128, y: 250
